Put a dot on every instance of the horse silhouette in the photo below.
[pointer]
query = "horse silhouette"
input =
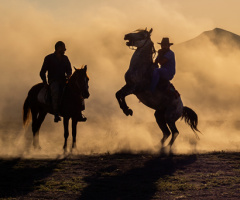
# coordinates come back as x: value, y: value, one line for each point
x: 76, y: 90
x: 165, y: 99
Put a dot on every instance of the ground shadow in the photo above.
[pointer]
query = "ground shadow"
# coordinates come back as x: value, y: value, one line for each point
x: 136, y: 183
x: 19, y: 177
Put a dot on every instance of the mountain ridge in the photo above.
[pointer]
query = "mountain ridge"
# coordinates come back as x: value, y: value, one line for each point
x: 217, y: 36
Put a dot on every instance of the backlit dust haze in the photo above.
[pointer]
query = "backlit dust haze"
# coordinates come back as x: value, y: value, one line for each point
x: 207, y: 72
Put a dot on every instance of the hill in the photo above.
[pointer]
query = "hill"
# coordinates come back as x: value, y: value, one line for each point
x: 218, y: 37
x: 207, y: 73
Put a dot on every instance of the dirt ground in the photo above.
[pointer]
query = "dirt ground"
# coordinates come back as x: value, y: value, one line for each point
x: 123, y: 176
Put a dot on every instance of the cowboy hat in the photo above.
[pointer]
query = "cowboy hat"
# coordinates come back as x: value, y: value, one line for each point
x: 165, y: 41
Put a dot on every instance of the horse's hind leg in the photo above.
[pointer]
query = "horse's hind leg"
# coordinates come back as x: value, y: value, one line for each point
x: 174, y: 131
x: 35, y: 129
x: 172, y: 115
x: 163, y: 126
x: 37, y: 120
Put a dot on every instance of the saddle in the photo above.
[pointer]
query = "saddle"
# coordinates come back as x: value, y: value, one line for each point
x: 168, y: 88
x: 44, y: 97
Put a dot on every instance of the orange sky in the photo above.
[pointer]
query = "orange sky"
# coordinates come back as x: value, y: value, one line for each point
x: 181, y: 19
x: 189, y: 17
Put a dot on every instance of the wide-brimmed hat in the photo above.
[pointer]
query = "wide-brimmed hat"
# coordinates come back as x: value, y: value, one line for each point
x: 165, y: 40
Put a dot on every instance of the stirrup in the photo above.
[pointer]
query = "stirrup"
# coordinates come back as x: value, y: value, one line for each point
x: 82, y: 118
x: 57, y: 118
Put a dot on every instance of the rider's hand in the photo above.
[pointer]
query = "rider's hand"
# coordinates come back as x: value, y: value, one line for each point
x: 45, y: 84
x: 161, y: 52
x: 68, y: 77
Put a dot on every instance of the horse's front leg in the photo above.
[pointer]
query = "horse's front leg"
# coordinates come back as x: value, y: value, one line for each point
x: 74, y: 132
x: 120, y: 95
x: 66, y: 132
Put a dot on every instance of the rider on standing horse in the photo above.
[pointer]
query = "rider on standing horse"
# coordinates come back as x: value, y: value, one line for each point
x: 59, y: 70
x: 166, y: 59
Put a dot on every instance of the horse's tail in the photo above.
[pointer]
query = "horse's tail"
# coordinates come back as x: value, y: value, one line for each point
x: 191, y: 119
x: 26, y: 112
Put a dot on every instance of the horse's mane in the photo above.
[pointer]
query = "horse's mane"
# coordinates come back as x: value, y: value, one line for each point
x: 145, y: 30
x: 75, y: 72
x: 140, y: 30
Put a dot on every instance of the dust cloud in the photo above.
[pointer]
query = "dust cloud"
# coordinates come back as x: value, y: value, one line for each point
x: 207, y: 76
x: 210, y: 64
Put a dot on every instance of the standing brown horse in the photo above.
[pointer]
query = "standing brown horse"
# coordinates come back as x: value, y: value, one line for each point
x: 75, y: 91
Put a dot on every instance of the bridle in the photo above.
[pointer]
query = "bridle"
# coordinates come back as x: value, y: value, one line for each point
x: 76, y: 87
x: 147, y: 38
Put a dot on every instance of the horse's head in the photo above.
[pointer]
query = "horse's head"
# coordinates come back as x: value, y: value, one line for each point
x: 80, y: 80
x: 138, y: 38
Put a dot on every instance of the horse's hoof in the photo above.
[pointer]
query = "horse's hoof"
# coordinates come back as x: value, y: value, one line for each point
x: 74, y: 150
x: 128, y: 112
x: 37, y: 147
x: 171, y: 151
x: 65, y: 150
x: 164, y: 151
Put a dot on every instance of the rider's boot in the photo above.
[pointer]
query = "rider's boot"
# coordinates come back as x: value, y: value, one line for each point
x: 81, y: 118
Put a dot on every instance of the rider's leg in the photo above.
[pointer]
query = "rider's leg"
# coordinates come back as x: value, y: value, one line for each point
x: 159, y: 74
x: 55, y: 88
x: 155, y: 79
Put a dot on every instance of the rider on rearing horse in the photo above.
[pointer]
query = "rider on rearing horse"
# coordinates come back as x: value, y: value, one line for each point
x: 166, y: 59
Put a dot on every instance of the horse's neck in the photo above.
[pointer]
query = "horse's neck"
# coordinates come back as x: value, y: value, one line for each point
x: 70, y: 87
x: 140, y: 65
x: 142, y: 57
x: 70, y: 96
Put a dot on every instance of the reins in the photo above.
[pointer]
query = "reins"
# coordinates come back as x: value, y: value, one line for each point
x: 132, y: 48
x: 153, y: 48
x: 73, y: 87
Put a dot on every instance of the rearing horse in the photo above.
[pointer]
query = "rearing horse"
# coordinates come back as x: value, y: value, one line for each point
x: 75, y: 91
x: 169, y: 107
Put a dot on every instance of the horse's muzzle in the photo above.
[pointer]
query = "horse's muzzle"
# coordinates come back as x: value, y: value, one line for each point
x: 129, y: 38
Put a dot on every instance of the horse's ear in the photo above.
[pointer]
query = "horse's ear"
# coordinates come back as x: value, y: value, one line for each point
x: 85, y: 67
x: 150, y: 31
x: 146, y: 29
x: 75, y: 68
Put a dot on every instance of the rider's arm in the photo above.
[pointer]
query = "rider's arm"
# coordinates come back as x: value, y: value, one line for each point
x: 162, y: 57
x: 44, y: 70
x: 68, y: 68
x: 162, y: 61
